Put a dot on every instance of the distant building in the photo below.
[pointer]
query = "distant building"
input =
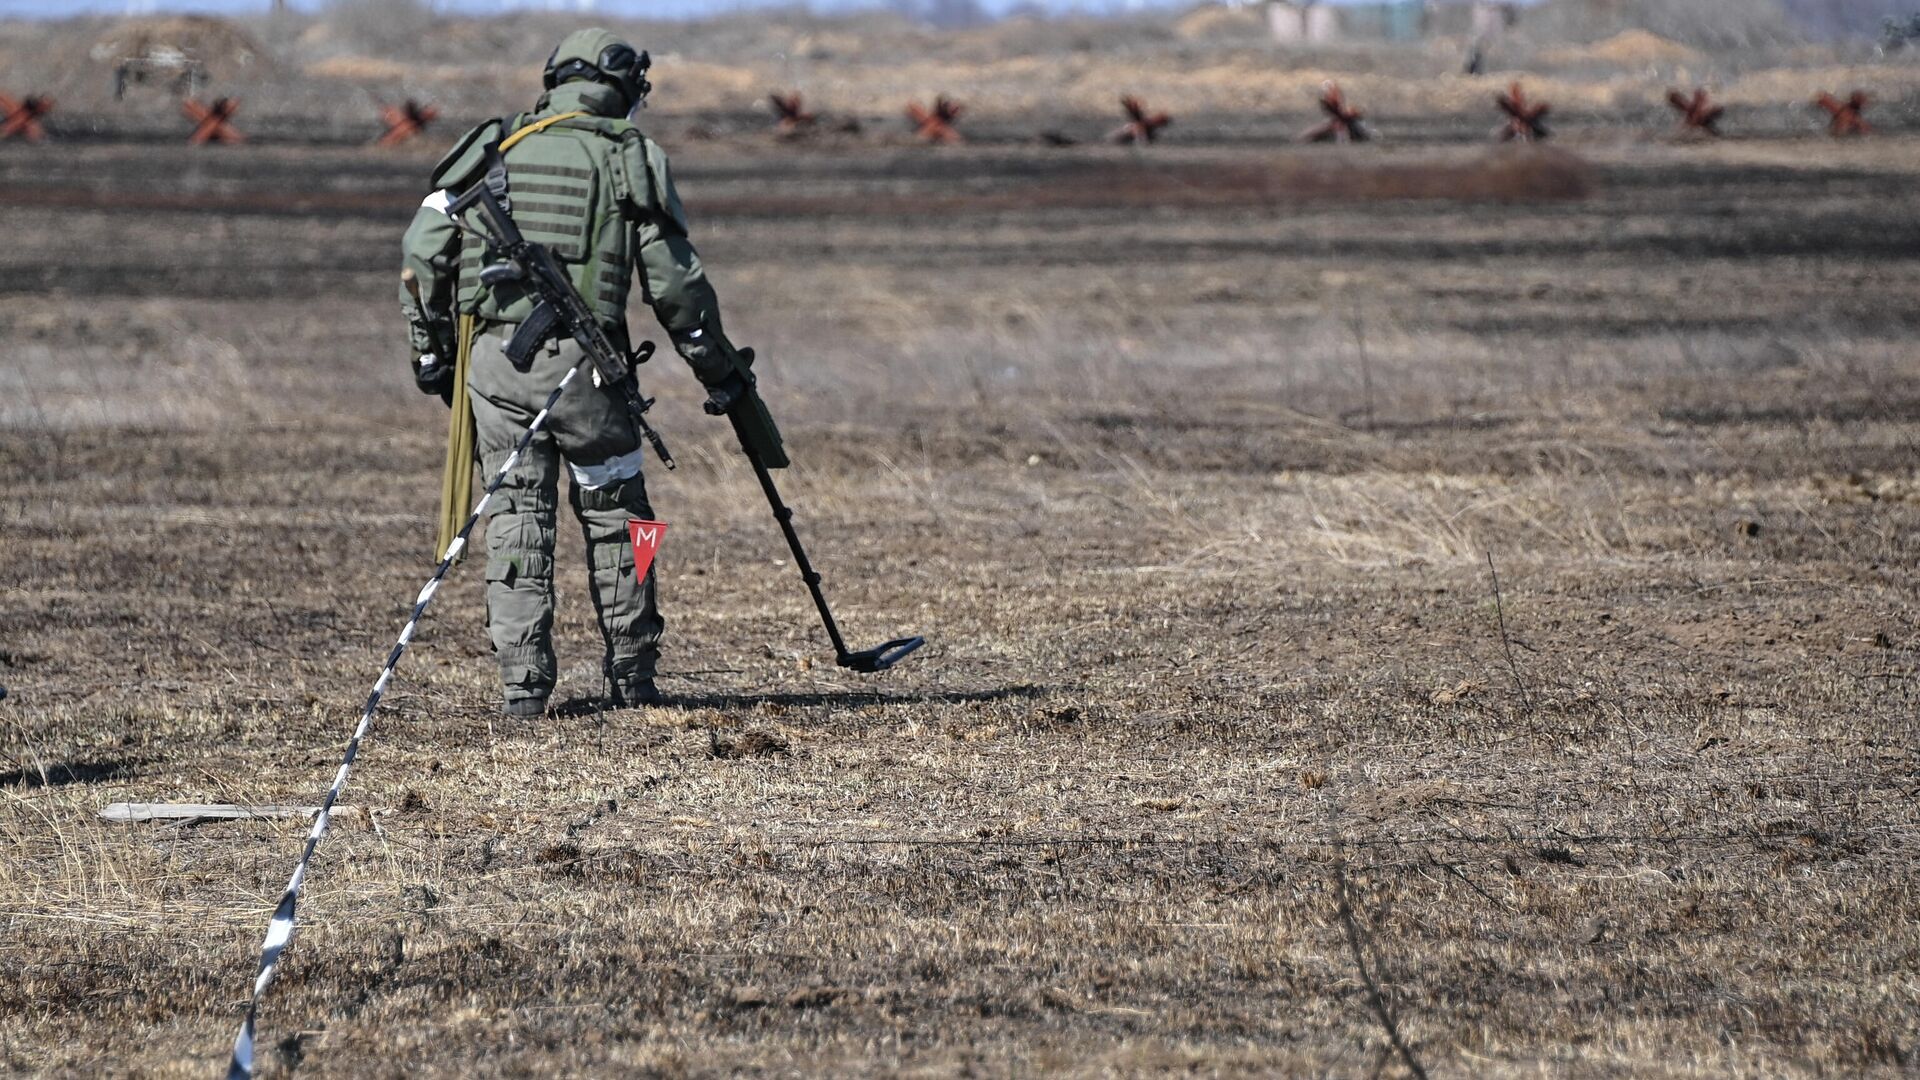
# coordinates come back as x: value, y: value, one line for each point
x: 1312, y: 22
x: 1491, y: 18
x: 1302, y: 22
x: 1386, y: 20
x: 1484, y: 20
x: 1323, y: 24
x: 1287, y: 22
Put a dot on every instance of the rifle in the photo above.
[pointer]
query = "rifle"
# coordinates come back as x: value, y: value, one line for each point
x: 535, y: 267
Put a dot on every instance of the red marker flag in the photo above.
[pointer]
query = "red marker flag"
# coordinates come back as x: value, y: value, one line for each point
x: 646, y: 544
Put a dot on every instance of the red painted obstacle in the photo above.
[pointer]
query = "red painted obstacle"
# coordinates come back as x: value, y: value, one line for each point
x: 936, y: 125
x: 21, y: 119
x: 1847, y: 117
x: 1343, y: 123
x: 1141, y: 126
x: 1697, y: 112
x: 213, y: 123
x: 405, y: 121
x: 793, y: 115
x: 1525, y: 120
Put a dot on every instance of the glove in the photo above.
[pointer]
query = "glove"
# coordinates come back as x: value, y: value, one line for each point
x: 434, y: 376
x: 721, y: 398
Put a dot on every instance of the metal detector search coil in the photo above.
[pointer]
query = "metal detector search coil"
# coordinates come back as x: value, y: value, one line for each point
x: 881, y: 657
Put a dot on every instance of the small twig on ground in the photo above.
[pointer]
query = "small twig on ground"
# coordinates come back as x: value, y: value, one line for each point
x: 1506, y: 642
x: 1375, y: 997
x: 1366, y: 368
x: 1469, y: 882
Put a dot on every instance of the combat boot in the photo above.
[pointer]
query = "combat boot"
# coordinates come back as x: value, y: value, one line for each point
x: 524, y: 708
x: 636, y: 694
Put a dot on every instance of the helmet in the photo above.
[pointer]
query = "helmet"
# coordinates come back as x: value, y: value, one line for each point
x: 603, y: 58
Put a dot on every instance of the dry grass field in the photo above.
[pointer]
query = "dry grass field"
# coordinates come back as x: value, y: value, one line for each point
x: 1197, y: 467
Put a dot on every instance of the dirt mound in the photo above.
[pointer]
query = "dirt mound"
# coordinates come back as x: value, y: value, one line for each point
x: 1798, y: 86
x: 1640, y: 47
x: 222, y: 49
x: 1633, y: 50
x: 1215, y: 23
x: 1703, y: 24
x: 360, y: 68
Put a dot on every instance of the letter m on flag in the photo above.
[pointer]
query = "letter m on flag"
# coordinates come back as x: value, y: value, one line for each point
x: 646, y: 544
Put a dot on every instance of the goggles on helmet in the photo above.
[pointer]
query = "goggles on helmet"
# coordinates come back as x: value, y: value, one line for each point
x: 619, y: 66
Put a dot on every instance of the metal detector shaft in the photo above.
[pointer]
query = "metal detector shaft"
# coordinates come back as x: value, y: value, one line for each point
x: 878, y: 658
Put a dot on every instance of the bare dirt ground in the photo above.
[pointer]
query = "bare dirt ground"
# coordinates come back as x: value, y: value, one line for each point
x: 1199, y: 499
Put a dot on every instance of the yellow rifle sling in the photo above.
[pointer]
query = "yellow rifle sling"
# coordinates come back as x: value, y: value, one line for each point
x: 456, y: 480
x: 535, y: 128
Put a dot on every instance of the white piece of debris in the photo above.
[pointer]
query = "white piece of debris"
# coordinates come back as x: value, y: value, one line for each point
x: 138, y: 811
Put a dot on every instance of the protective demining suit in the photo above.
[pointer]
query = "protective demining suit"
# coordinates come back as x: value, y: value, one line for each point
x: 584, y: 181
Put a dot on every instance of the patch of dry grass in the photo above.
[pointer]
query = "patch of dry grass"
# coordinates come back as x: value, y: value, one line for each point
x: 1196, y: 508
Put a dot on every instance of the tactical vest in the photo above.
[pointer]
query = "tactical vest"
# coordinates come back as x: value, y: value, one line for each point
x: 566, y: 190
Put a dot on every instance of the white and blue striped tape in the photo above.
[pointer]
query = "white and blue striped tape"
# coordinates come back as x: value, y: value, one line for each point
x: 280, y: 929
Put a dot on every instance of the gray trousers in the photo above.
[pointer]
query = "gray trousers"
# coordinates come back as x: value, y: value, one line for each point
x: 590, y: 433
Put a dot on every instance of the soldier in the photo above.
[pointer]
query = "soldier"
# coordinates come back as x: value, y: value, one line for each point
x: 582, y: 179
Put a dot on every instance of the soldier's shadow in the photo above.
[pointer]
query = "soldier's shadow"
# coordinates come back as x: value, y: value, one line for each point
x: 855, y: 698
x: 588, y: 705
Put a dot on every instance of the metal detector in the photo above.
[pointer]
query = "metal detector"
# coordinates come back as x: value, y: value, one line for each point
x: 561, y: 308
